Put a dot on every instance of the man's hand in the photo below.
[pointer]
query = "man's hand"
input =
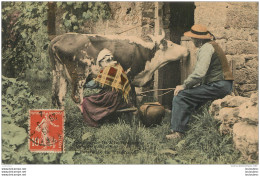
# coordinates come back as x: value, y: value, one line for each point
x: 178, y: 89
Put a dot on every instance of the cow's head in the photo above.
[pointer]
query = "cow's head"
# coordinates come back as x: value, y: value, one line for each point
x: 165, y: 52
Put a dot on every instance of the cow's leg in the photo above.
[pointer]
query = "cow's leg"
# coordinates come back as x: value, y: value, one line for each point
x: 62, y: 92
x: 59, y: 86
x: 78, y: 81
x: 54, y: 89
x: 77, y: 90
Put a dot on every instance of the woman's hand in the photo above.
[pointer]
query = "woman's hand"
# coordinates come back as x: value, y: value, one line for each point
x: 178, y: 89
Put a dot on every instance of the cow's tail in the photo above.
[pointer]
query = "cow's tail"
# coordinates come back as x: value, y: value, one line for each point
x: 57, y: 72
x: 51, y: 51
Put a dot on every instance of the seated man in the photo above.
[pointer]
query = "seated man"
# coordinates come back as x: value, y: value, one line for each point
x: 114, y: 92
x: 211, y: 79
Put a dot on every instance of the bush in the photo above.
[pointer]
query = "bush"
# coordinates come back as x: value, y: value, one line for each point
x: 25, y: 40
x: 17, y: 99
x: 76, y: 14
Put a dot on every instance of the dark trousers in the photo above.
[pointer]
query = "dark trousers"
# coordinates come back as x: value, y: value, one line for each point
x: 189, y: 99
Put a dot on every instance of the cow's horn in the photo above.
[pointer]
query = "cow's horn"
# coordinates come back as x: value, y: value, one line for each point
x: 158, y: 38
x: 152, y: 38
x: 162, y: 36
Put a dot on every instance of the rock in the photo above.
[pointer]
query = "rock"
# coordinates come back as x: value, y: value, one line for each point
x: 254, y: 98
x: 245, y: 137
x: 228, y: 114
x: 228, y: 117
x: 228, y: 101
x: 239, y: 116
x: 248, y: 112
x: 233, y: 101
x: 215, y: 107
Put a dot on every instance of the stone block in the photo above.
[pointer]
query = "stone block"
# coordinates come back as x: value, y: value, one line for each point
x: 239, y: 60
x: 223, y: 44
x: 254, y: 36
x: 248, y: 87
x: 148, y: 14
x: 241, y: 47
x: 241, y: 76
x: 248, y: 94
x: 148, y: 5
x: 237, y: 34
x: 254, y: 98
x: 246, y: 5
x: 211, y: 4
x: 251, y: 57
x: 248, y: 112
x: 240, y: 17
x: 210, y: 16
x: 229, y: 115
x: 245, y: 137
x: 252, y: 63
x: 249, y: 76
x: 218, y: 32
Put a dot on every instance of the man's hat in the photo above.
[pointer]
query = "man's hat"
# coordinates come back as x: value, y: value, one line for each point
x: 199, y: 31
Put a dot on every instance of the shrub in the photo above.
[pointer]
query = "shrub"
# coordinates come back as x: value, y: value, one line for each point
x: 25, y: 41
x: 76, y: 14
x: 17, y: 99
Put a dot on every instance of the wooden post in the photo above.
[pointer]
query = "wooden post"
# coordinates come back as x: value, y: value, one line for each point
x: 156, y: 32
x: 51, y: 22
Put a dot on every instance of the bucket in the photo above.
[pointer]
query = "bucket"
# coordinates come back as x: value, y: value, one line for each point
x: 151, y: 113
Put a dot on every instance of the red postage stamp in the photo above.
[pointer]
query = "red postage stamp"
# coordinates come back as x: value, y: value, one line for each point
x: 46, y: 132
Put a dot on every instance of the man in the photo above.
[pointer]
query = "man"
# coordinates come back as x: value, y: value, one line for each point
x: 211, y: 79
x: 114, y: 93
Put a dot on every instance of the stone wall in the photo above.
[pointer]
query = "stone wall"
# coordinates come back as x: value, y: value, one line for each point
x: 235, y: 25
x: 239, y: 117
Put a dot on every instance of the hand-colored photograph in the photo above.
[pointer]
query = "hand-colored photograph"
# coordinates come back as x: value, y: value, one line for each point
x: 152, y: 83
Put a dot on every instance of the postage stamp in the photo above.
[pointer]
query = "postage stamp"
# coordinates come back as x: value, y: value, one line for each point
x: 46, y: 131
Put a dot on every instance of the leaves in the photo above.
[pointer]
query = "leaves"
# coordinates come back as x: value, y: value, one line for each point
x: 76, y: 13
x: 13, y: 134
x: 24, y: 35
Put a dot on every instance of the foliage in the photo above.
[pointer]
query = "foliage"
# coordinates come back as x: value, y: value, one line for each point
x: 17, y: 99
x: 25, y: 40
x: 125, y: 141
x: 77, y: 13
x: 203, y: 142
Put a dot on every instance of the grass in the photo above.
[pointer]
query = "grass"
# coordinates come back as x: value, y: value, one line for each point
x: 127, y: 141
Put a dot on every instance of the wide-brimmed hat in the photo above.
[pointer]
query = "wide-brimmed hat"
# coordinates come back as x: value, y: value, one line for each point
x: 199, y: 31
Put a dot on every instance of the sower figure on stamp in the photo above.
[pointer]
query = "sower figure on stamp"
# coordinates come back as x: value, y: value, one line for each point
x: 43, y: 127
x: 211, y: 79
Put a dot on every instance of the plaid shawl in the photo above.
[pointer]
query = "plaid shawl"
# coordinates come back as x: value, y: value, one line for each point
x: 115, y: 77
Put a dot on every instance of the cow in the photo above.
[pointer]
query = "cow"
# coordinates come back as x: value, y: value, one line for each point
x: 73, y: 57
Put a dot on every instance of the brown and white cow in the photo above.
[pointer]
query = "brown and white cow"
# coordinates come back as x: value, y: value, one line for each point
x: 73, y: 56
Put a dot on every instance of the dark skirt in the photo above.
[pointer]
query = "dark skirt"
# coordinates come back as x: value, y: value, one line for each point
x: 99, y: 106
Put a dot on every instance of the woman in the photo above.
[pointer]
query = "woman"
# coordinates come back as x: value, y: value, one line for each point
x: 211, y: 79
x: 114, y: 92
